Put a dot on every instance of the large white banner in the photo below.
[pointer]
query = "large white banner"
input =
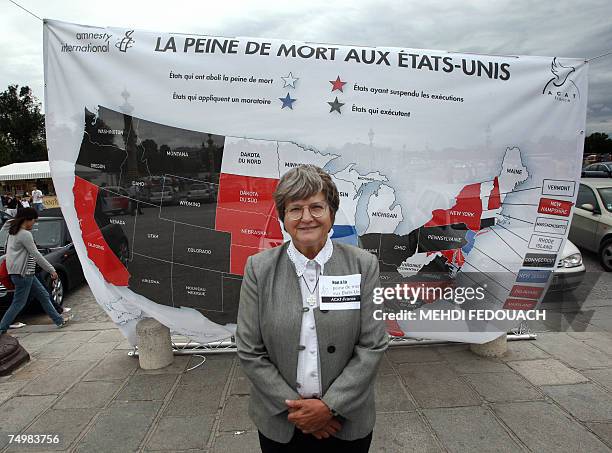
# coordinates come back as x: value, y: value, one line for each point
x: 458, y: 171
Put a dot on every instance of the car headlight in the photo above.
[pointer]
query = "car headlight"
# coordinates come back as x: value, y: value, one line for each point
x: 574, y: 260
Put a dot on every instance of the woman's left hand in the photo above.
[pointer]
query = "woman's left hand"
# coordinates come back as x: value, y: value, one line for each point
x: 309, y: 415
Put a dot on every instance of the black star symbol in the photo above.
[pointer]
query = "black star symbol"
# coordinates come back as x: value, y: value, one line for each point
x: 335, y: 105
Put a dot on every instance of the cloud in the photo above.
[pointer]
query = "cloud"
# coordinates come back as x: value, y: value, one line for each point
x: 506, y: 27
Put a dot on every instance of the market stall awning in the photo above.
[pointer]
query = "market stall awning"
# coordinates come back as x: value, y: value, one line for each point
x: 25, y: 170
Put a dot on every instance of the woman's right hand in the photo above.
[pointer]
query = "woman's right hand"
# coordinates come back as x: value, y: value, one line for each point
x: 53, y: 275
x: 331, y: 428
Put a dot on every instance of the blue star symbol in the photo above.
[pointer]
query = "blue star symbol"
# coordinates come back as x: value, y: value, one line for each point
x: 287, y: 101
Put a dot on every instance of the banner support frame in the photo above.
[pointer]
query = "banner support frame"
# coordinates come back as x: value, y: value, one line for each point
x: 521, y: 333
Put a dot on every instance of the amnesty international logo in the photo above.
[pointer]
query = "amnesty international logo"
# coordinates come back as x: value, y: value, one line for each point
x: 561, y: 86
x: 126, y: 42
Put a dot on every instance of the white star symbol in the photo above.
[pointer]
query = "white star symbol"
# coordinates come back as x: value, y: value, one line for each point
x: 289, y: 81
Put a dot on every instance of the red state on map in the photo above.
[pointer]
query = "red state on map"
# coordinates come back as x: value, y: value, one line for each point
x: 246, y: 210
x: 454, y: 256
x: 520, y: 304
x: 555, y: 207
x: 467, y: 210
x: 98, y: 250
x: 249, y: 229
x: 239, y: 256
x: 495, y: 196
x: 246, y: 193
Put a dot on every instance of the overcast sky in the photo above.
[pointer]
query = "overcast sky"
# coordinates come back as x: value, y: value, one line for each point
x: 565, y: 28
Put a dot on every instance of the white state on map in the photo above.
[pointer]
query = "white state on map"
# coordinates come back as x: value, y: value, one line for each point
x: 383, y: 218
x: 291, y: 155
x: 513, y: 172
x: 348, y: 202
x: 249, y: 157
x: 492, y: 257
x: 357, y: 179
x: 485, y: 193
x: 414, y: 263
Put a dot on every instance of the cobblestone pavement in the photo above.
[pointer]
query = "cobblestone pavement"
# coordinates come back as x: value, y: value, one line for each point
x: 551, y: 394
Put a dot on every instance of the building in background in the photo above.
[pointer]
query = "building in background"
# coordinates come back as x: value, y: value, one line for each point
x: 20, y: 177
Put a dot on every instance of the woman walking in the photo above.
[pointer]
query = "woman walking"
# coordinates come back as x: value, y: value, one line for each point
x: 21, y: 259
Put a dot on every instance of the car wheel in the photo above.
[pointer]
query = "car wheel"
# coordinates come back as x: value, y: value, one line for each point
x: 605, y: 255
x: 57, y: 291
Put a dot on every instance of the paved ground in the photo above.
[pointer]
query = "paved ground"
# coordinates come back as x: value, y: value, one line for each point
x: 551, y: 394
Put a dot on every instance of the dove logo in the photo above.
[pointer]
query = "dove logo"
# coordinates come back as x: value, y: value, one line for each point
x: 561, y: 87
x: 126, y: 42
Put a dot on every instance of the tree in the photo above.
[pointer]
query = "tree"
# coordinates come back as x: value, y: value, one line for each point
x: 597, y: 143
x: 22, y: 126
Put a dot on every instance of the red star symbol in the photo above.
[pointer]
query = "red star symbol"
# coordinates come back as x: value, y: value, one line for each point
x: 337, y: 84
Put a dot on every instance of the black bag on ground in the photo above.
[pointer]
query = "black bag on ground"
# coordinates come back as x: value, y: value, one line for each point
x: 12, y: 354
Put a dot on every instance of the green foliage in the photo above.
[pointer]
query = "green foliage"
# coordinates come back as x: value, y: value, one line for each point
x: 22, y: 126
x: 597, y: 143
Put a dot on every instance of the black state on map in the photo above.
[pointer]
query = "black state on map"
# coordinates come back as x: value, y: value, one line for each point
x: 115, y: 224
x: 171, y: 150
x: 102, y: 154
x: 487, y: 222
x: 394, y: 249
x: 191, y: 213
x: 371, y: 243
x: 436, y: 270
x: 201, y: 247
x: 152, y: 236
x: 123, y: 150
x: 197, y: 288
x: 151, y: 278
x: 446, y: 237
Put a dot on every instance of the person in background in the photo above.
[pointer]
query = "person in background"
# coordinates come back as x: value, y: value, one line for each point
x: 21, y: 259
x: 25, y: 200
x: 134, y: 192
x: 37, y: 199
x: 19, y: 205
x: 12, y: 205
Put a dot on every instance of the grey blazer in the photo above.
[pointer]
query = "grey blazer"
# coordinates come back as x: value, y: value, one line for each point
x: 351, y: 342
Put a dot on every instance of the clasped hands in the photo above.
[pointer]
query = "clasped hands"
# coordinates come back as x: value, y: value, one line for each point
x: 312, y: 416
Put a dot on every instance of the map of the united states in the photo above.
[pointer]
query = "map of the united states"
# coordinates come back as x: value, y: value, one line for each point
x: 193, y: 206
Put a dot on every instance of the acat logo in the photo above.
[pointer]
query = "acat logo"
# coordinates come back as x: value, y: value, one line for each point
x: 126, y: 42
x: 561, y: 86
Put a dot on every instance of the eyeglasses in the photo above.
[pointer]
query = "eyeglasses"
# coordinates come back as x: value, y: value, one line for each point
x: 316, y: 210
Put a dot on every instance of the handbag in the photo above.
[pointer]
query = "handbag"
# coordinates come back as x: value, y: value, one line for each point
x: 5, y: 278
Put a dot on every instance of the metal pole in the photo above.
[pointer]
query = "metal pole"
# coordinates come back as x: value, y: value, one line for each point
x: 227, y: 346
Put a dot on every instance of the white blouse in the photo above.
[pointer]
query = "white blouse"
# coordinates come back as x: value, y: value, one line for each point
x: 308, y: 272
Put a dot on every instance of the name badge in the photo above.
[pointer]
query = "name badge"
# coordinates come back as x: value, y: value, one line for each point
x: 340, y: 292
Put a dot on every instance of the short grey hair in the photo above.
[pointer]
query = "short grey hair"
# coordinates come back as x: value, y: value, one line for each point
x: 304, y: 182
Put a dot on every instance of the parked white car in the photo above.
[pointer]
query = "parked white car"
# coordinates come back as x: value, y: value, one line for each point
x: 163, y: 195
x: 201, y: 192
x: 592, y: 222
x: 570, y: 271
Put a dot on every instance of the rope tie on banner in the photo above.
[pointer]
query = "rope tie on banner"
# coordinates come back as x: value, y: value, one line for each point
x: 598, y: 56
x: 26, y: 10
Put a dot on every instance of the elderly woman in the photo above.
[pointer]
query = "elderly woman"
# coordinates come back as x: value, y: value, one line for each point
x: 306, y: 336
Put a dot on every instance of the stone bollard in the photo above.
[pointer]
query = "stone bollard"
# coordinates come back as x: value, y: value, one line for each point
x: 154, y: 345
x: 495, y: 348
